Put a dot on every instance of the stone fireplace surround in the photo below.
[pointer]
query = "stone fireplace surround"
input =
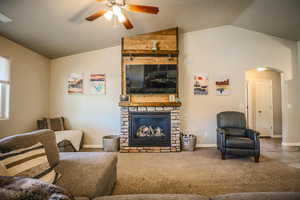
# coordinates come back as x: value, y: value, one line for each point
x: 175, y: 129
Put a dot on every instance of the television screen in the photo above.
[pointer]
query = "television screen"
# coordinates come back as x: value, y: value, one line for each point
x: 151, y: 79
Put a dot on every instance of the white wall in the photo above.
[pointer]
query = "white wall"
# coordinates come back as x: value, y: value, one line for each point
x: 29, y: 98
x: 253, y: 75
x: 223, y: 49
x: 293, y: 106
x: 96, y: 115
x: 231, y: 50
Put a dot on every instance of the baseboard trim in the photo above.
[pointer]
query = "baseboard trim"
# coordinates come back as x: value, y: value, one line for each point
x: 205, y: 145
x: 92, y: 146
x: 291, y: 144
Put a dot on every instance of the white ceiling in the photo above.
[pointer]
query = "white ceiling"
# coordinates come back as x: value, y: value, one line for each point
x: 57, y: 28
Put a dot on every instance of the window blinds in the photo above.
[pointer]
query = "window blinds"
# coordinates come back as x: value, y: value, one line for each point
x: 4, y: 87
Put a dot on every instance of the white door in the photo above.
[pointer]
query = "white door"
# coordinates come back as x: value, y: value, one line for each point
x: 264, y: 107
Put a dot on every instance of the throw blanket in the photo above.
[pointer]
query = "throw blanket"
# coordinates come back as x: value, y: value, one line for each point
x: 74, y: 136
x: 17, y: 188
x: 66, y: 146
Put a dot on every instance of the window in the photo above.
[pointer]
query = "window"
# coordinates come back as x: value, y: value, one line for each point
x: 4, y: 88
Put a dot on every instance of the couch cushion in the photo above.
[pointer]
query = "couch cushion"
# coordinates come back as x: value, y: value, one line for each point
x: 239, y: 142
x: 260, y: 196
x: 87, y: 174
x: 46, y: 137
x: 154, y: 197
x: 55, y: 124
x: 231, y: 119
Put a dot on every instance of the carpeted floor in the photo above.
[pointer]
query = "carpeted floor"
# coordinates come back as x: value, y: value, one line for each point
x: 201, y: 172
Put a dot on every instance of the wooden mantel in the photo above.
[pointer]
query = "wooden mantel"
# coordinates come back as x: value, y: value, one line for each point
x: 150, y: 104
x: 149, y: 52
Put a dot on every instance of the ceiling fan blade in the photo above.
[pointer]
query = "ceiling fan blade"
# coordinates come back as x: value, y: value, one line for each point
x: 96, y: 15
x: 127, y: 23
x: 143, y: 9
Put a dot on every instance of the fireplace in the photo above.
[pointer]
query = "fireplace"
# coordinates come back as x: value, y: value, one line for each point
x: 150, y: 129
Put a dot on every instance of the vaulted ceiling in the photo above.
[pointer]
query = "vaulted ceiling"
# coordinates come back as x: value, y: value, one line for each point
x: 56, y: 28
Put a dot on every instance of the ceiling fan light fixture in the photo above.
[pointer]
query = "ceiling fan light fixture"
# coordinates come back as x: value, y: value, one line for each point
x: 108, y: 15
x: 121, y: 18
x: 116, y: 10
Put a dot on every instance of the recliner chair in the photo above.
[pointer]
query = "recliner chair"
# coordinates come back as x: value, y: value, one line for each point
x: 234, y: 138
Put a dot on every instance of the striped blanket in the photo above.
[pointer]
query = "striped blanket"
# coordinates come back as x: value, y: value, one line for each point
x: 29, y: 162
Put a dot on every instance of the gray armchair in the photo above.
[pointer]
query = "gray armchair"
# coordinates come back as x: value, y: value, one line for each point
x: 234, y: 138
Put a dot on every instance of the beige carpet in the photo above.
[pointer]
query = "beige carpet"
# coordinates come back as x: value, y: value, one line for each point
x: 201, y: 172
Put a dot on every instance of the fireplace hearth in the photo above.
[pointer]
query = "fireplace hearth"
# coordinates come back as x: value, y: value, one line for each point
x: 150, y: 129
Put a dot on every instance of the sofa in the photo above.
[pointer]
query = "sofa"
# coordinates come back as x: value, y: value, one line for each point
x: 83, y: 174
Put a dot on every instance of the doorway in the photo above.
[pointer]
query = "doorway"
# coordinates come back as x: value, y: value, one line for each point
x: 264, y: 106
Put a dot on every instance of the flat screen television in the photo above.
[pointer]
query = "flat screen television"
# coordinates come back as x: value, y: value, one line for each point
x: 151, y: 79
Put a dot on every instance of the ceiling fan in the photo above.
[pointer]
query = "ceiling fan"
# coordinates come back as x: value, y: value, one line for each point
x: 115, y: 9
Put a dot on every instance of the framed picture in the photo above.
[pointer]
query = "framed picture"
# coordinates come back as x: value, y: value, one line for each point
x: 200, y: 84
x: 75, y: 83
x: 97, y: 84
x: 222, y: 85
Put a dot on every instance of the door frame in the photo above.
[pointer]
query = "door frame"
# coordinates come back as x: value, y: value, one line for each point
x: 249, y: 115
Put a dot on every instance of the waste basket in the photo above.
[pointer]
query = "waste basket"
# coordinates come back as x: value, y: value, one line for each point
x: 188, y: 142
x: 111, y: 143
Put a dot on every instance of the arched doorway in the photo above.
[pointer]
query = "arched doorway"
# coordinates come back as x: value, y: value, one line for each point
x: 264, y: 103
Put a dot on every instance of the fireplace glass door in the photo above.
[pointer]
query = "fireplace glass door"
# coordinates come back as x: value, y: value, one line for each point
x: 151, y: 129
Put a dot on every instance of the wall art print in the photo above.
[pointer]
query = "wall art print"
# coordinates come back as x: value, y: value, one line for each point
x: 222, y: 85
x: 201, y: 84
x: 97, y: 84
x: 75, y: 83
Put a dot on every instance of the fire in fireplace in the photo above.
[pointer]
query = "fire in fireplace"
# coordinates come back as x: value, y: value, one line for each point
x: 148, y: 131
x: 152, y: 129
